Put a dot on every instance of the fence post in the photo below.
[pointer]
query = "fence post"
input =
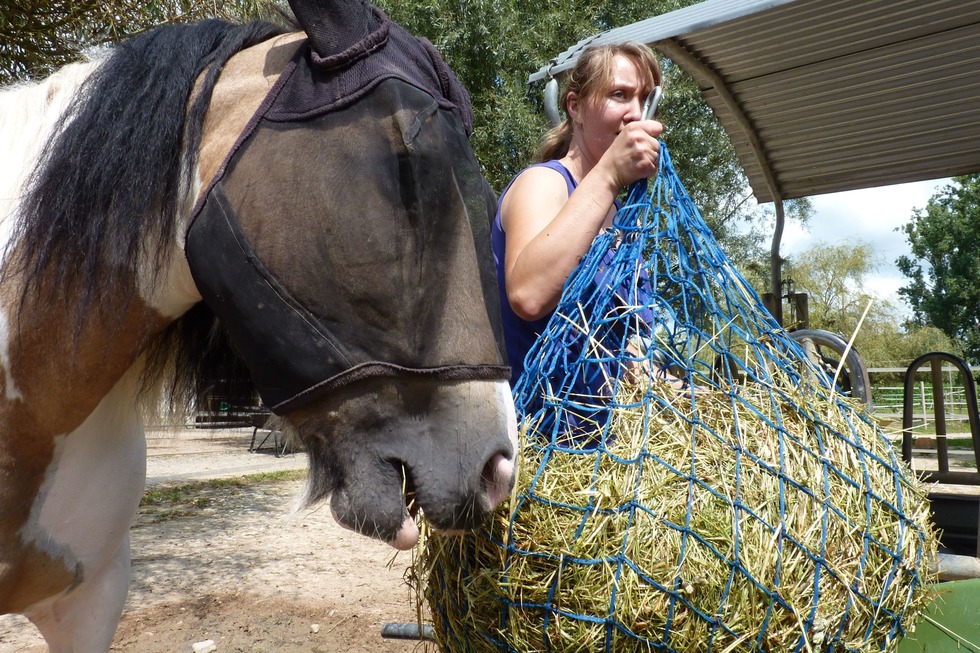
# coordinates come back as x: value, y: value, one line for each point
x: 922, y: 396
x: 939, y: 411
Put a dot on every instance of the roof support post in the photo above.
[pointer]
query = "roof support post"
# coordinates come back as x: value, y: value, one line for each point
x: 776, y: 264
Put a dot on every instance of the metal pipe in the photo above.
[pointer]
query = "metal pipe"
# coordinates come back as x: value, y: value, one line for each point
x: 408, y: 631
x: 939, y: 413
x: 551, y: 102
x: 776, y: 263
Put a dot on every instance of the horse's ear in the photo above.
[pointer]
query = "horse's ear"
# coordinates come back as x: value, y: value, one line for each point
x: 334, y: 25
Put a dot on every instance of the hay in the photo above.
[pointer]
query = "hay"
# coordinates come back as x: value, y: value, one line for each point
x: 730, y: 519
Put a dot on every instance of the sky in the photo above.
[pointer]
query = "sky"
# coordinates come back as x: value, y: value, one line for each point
x: 870, y: 215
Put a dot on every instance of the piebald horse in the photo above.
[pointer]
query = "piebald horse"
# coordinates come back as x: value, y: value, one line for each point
x: 205, y: 197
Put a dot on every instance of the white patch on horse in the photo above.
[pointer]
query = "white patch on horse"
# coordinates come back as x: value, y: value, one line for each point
x: 173, y: 292
x: 94, y: 475
x: 86, y: 504
x: 28, y: 116
x: 10, y: 390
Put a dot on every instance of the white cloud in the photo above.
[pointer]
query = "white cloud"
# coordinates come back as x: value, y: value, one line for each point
x: 868, y: 215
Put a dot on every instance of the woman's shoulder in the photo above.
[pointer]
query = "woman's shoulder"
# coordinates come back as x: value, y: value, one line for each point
x: 559, y: 167
x: 550, y: 173
x: 537, y: 190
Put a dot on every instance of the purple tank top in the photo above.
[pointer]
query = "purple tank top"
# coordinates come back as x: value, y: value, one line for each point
x: 519, y: 334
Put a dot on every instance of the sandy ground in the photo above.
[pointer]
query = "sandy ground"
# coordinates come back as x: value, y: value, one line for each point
x: 238, y: 566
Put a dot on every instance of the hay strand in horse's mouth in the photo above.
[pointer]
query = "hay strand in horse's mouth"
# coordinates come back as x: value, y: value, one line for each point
x: 408, y: 492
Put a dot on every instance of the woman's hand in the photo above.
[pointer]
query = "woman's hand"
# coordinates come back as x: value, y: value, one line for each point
x: 635, y: 153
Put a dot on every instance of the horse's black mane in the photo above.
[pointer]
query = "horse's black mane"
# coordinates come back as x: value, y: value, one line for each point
x: 103, y: 201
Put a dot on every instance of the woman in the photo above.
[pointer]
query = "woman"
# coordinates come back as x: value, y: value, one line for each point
x: 549, y: 214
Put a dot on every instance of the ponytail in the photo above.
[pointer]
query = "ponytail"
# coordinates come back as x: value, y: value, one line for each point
x: 554, y: 144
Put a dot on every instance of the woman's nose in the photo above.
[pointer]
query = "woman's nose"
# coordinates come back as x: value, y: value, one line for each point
x: 635, y: 110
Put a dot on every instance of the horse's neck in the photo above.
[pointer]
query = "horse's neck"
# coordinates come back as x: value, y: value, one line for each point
x: 55, y: 369
x: 244, y: 83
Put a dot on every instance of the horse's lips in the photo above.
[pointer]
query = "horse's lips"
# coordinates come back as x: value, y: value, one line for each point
x: 498, y: 479
x: 408, y: 534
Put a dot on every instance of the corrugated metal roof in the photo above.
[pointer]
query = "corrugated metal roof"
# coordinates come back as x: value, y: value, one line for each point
x: 821, y: 96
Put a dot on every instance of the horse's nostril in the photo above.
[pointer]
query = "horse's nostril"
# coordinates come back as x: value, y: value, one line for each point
x: 498, y: 479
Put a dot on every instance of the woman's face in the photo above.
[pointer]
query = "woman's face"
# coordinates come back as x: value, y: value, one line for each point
x: 598, y: 119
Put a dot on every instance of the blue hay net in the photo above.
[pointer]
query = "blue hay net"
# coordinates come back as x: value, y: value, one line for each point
x: 656, y: 297
x: 656, y: 290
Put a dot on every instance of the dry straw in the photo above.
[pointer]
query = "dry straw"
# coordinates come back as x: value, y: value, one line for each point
x: 722, y: 520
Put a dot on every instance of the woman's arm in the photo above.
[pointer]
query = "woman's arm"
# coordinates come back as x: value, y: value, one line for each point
x: 548, y: 231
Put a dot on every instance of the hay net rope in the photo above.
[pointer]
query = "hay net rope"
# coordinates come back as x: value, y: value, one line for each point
x: 689, y: 480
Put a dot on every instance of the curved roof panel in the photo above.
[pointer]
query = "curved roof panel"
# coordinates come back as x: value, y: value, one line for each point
x: 821, y: 96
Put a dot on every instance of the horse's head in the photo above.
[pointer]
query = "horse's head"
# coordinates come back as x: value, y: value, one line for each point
x: 344, y: 245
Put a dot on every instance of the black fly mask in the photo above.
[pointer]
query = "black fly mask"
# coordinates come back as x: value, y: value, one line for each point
x: 367, y: 216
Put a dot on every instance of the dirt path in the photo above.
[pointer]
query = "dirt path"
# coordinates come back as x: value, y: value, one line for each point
x: 235, y: 565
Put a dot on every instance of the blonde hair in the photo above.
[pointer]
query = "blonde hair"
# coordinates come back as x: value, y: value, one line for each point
x: 591, y: 77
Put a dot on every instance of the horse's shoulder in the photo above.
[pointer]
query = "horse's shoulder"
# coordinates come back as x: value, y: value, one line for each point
x: 244, y: 82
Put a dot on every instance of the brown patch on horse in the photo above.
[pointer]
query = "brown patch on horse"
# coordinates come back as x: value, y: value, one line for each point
x: 35, y: 576
x: 62, y: 372
x: 242, y: 86
x: 82, y: 358
x: 27, y: 574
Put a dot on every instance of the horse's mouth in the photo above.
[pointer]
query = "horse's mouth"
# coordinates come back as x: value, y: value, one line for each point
x: 407, y: 535
x: 462, y: 519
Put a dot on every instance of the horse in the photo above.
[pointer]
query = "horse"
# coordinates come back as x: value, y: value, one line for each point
x: 210, y: 199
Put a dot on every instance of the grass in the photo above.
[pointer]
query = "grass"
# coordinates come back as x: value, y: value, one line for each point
x: 957, y: 428
x: 952, y: 443
x: 166, y: 502
x: 170, y: 494
x: 894, y: 432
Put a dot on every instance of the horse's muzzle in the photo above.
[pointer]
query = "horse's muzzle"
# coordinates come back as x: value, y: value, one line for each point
x: 390, y: 448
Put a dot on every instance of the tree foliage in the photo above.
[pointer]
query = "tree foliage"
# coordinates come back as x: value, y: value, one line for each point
x: 835, y: 280
x: 834, y: 277
x: 944, y: 266
x: 38, y: 37
x: 493, y: 45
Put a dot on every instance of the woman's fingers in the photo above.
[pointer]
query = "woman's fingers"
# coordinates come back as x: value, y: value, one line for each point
x: 636, y: 151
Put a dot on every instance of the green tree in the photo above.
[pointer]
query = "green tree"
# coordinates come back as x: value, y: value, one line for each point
x: 944, y: 266
x: 38, y: 37
x: 889, y: 344
x: 493, y: 45
x: 834, y: 277
x: 835, y: 280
